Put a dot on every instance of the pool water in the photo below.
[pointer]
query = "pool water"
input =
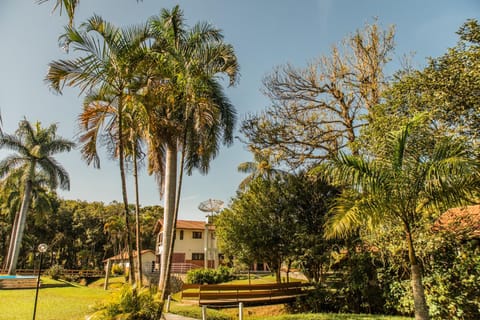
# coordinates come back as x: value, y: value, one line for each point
x: 15, y: 277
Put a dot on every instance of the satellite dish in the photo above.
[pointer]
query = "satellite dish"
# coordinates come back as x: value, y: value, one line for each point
x: 211, y: 206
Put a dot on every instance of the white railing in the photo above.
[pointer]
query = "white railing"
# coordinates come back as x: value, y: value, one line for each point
x: 183, y: 267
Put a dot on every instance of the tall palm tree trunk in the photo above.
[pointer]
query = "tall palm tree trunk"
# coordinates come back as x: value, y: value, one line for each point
x: 6, y: 263
x: 124, y: 194
x: 137, y: 218
x: 174, y: 223
x: 420, y: 303
x: 12, y: 263
x: 168, y: 215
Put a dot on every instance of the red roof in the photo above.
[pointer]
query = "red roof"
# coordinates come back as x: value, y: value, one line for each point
x: 463, y: 221
x: 184, y: 225
x: 190, y: 225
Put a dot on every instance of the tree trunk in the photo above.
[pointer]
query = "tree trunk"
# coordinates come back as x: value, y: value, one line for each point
x: 137, y: 218
x: 6, y: 264
x: 121, y: 153
x: 420, y: 303
x: 12, y: 264
x: 174, y: 223
x: 168, y: 215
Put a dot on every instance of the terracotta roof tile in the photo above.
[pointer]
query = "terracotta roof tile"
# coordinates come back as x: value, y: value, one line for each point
x: 184, y: 224
x: 464, y: 221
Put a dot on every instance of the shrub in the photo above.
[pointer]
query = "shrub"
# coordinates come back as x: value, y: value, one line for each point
x: 55, y: 272
x: 209, y: 276
x: 124, y: 306
x: 452, y: 287
x: 117, y: 270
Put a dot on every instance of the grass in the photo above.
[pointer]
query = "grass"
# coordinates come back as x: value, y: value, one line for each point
x: 326, y: 316
x: 270, y: 313
x: 59, y: 300
x: 56, y: 300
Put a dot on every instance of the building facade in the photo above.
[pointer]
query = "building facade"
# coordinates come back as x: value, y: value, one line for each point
x: 195, y: 246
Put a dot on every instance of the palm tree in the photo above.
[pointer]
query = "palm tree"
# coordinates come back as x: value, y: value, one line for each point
x: 111, y: 59
x: 400, y: 186
x: 187, y: 108
x: 34, y: 147
x: 261, y: 166
x: 12, y: 195
x: 68, y: 5
x: 135, y: 154
x: 98, y: 123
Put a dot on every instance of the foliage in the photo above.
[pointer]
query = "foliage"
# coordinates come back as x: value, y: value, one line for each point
x: 258, y: 226
x: 400, y: 185
x: 447, y: 88
x: 452, y: 278
x: 55, y: 272
x: 124, y: 306
x: 186, y: 108
x: 210, y: 276
x: 278, y: 219
x: 118, y: 270
x: 34, y: 148
x: 76, y: 234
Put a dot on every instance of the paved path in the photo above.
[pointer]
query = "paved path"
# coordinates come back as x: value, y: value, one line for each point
x: 171, y: 316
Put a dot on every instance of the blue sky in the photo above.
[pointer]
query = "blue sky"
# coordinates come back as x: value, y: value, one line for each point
x: 264, y: 33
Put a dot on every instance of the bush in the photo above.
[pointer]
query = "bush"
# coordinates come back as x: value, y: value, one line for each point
x: 452, y: 287
x: 117, y: 270
x: 209, y: 276
x: 124, y: 306
x: 55, y: 272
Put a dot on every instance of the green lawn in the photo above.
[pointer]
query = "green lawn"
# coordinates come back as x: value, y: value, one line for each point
x: 70, y: 301
x: 60, y: 300
x: 326, y: 316
x: 231, y: 314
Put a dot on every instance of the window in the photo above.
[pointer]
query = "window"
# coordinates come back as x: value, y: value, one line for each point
x: 181, y: 234
x: 198, y: 256
x: 197, y: 235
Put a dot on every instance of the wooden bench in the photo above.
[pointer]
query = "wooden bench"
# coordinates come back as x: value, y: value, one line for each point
x: 218, y: 295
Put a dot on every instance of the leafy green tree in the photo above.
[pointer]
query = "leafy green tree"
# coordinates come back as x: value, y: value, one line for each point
x: 186, y: 108
x: 310, y: 202
x: 400, y: 185
x: 149, y: 215
x: 34, y: 147
x: 260, y: 224
x: 319, y: 109
x: 447, y: 88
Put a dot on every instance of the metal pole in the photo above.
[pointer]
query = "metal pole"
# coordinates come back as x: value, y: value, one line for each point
x: 38, y: 285
x: 204, y: 312
x: 240, y: 311
x: 168, y: 302
x: 205, y: 263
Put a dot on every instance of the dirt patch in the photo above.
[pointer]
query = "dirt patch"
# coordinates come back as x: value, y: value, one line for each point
x: 258, y: 311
